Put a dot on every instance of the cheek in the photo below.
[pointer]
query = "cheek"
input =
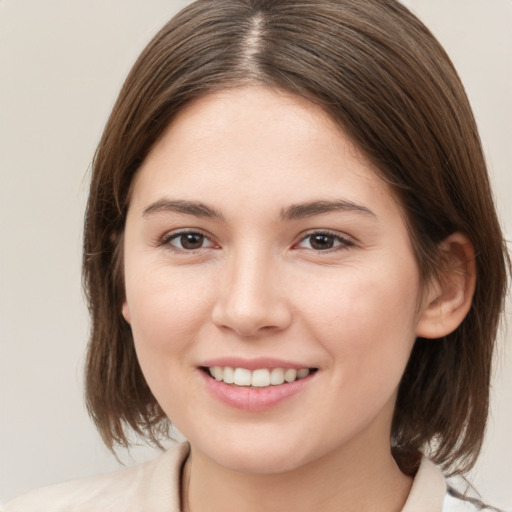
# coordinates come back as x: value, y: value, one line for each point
x: 166, y: 320
x: 367, y: 318
x: 165, y: 312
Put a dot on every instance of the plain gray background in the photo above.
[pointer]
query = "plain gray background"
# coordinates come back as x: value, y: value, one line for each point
x: 62, y: 63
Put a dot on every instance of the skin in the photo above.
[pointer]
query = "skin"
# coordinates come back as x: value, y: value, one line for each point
x: 256, y: 285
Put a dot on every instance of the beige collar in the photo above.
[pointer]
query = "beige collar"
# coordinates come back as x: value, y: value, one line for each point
x: 428, y: 489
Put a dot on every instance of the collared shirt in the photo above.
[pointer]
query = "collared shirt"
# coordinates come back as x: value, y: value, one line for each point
x: 155, y: 487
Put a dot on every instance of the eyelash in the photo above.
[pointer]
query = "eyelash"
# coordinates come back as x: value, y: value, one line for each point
x: 166, y: 240
x: 343, y: 242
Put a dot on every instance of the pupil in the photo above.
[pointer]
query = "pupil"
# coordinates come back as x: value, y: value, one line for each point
x: 192, y: 241
x: 321, y: 242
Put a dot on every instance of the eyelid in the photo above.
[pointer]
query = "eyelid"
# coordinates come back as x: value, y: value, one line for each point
x: 166, y: 239
x: 344, y: 239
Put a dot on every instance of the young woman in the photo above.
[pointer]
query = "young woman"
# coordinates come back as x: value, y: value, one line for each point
x: 292, y: 254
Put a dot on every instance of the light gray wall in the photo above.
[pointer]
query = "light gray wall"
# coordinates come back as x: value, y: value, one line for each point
x: 61, y: 65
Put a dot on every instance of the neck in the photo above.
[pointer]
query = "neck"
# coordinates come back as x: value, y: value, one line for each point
x: 349, y: 480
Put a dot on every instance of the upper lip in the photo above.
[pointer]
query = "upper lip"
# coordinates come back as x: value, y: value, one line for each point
x: 253, y: 364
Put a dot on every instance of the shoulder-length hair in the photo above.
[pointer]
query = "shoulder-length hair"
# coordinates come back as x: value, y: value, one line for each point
x: 379, y: 73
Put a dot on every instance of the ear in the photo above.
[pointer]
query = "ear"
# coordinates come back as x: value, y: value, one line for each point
x: 126, y: 312
x: 448, y: 297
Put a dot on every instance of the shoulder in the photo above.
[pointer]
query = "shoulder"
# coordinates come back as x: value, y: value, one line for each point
x: 151, y: 486
x: 431, y: 491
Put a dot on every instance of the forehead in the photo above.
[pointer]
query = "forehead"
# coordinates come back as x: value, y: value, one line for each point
x: 259, y: 145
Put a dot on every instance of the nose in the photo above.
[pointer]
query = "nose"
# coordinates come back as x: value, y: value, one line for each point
x: 252, y: 297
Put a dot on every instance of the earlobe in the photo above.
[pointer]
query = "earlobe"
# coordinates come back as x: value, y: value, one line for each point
x: 448, y: 298
x: 126, y: 312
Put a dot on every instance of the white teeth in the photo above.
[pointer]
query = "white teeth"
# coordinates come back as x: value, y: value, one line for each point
x: 229, y: 375
x: 218, y: 373
x: 260, y: 378
x: 290, y: 375
x: 303, y: 372
x: 242, y: 377
x: 277, y: 376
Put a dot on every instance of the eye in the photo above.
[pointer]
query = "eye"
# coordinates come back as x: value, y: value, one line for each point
x: 187, y: 241
x: 324, y: 240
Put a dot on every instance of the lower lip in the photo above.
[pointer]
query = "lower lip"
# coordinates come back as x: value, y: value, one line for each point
x: 254, y: 399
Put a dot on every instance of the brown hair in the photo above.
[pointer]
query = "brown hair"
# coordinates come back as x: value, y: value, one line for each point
x: 381, y: 75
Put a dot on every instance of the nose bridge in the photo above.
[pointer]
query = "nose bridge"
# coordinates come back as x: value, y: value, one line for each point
x: 250, y: 299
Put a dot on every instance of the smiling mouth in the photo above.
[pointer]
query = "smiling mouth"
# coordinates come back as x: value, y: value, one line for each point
x: 260, y: 378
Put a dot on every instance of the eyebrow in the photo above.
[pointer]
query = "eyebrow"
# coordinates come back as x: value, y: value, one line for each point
x: 302, y: 210
x: 293, y: 212
x: 195, y: 208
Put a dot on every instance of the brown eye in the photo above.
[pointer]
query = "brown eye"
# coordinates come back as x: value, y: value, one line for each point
x: 323, y: 241
x: 188, y: 241
x: 191, y: 241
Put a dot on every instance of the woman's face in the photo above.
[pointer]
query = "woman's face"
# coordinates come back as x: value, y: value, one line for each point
x: 258, y: 239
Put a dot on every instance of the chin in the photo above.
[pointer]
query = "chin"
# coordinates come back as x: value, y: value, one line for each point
x: 258, y: 462
x: 259, y: 454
